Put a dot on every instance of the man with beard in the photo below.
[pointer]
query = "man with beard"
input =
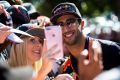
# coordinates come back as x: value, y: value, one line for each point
x: 88, y: 56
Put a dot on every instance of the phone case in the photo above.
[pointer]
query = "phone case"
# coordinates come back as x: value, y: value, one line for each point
x: 54, y: 36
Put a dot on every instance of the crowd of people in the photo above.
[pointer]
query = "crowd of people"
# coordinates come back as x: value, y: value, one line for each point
x: 85, y: 58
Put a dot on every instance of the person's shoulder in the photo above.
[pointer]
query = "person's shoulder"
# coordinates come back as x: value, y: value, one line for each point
x: 108, y: 43
x: 109, y: 75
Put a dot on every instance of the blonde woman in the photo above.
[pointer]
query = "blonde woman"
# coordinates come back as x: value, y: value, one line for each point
x: 31, y: 51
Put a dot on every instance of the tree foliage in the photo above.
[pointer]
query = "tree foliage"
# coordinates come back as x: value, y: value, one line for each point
x: 88, y: 8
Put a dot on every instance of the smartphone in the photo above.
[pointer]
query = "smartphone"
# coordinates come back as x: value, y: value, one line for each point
x: 53, y: 36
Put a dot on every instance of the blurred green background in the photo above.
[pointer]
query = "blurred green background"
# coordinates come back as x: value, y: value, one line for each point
x: 89, y: 8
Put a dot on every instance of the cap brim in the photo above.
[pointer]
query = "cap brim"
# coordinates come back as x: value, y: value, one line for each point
x: 54, y: 18
x: 39, y: 32
x: 19, y: 32
x: 14, y: 38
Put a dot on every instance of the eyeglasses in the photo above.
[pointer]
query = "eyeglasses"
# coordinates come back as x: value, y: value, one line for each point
x: 69, y: 22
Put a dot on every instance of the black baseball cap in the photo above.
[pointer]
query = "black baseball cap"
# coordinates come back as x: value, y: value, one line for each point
x: 19, y: 14
x: 64, y: 9
x: 32, y: 30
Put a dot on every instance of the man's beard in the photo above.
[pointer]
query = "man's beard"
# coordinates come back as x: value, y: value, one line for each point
x: 76, y: 39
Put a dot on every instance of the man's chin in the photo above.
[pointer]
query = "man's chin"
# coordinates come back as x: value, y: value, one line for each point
x: 69, y: 42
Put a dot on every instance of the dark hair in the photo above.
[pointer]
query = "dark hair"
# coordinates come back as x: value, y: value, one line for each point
x: 34, y: 15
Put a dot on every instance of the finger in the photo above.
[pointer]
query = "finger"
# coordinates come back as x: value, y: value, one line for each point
x: 42, y: 23
x: 85, y: 61
x: 84, y: 53
x: 91, y: 53
x: 47, y: 52
x: 5, y: 28
x: 54, y: 55
x: 97, y: 50
x: 52, y: 48
x: 55, y: 52
x: 1, y: 6
x: 98, y: 54
x: 3, y: 36
x: 83, y: 56
x: 44, y: 46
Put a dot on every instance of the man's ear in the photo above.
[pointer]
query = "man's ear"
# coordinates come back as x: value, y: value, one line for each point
x: 82, y: 24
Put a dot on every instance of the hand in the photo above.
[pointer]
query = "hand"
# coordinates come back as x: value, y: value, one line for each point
x: 48, y: 58
x: 4, y: 33
x: 89, y: 68
x: 64, y: 77
x: 44, y: 21
x: 1, y: 8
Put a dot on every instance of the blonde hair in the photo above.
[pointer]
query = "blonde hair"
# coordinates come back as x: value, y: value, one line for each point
x: 18, y: 54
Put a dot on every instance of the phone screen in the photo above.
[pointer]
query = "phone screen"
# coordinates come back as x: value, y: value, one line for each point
x: 53, y: 36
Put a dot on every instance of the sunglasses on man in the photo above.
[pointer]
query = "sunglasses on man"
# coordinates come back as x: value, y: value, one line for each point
x: 69, y: 22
